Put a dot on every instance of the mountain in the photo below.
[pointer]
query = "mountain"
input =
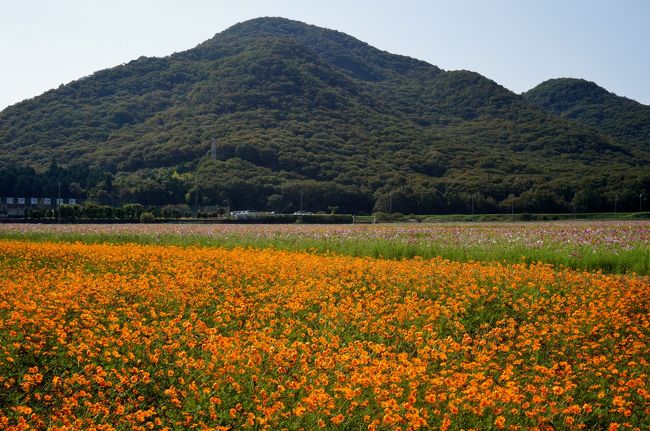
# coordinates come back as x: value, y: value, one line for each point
x: 585, y: 102
x: 299, y: 111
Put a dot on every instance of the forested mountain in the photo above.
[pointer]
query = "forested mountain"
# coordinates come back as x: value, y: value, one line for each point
x: 624, y: 119
x: 301, y: 110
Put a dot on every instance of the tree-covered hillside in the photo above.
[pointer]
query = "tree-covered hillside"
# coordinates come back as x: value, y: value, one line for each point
x: 302, y: 111
x: 624, y: 119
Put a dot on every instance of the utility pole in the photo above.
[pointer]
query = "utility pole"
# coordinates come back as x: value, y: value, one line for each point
x: 58, y: 204
x: 196, y: 195
x: 390, y: 204
x: 640, y: 201
x: 615, y: 203
x: 301, y: 193
x: 575, y: 206
x: 213, y: 156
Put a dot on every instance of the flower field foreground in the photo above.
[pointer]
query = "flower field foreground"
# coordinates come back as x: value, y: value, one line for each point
x: 155, y: 337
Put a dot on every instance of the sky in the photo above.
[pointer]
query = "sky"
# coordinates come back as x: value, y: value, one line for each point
x: 517, y: 43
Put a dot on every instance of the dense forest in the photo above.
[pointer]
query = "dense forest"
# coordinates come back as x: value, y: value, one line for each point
x: 302, y: 114
x: 583, y: 101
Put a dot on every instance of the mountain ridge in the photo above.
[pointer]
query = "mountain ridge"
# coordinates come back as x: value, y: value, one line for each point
x: 293, y: 105
x: 585, y: 101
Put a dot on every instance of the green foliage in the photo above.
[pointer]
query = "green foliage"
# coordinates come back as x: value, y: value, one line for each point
x: 132, y: 211
x: 70, y: 211
x: 300, y: 109
x: 147, y: 218
x: 585, y: 102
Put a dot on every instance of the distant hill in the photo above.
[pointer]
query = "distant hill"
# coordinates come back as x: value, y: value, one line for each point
x: 301, y: 110
x: 584, y: 101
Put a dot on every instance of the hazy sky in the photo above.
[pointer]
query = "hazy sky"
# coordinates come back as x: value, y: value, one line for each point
x: 517, y: 43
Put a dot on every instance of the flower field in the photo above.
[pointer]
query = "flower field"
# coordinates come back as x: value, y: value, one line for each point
x: 130, y: 336
x: 609, y: 246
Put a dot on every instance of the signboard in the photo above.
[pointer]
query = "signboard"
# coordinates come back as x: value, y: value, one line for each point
x: 59, y: 201
x: 21, y: 201
x: 10, y: 201
x: 47, y: 201
x: 34, y: 201
x: 72, y: 201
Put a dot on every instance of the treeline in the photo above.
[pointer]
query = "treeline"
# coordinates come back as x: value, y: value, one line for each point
x: 136, y: 212
x: 238, y: 184
x: 93, y: 211
x: 76, y: 181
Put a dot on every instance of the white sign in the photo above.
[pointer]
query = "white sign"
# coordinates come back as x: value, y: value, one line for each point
x: 72, y: 201
x: 10, y: 201
x: 47, y: 201
x: 21, y: 201
x: 34, y: 201
x: 59, y: 201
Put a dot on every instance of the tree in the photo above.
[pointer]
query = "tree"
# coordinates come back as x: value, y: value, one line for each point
x: 275, y: 203
x: 23, y: 187
x: 586, y: 200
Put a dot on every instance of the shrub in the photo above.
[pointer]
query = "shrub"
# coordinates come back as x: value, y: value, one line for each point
x: 147, y: 218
